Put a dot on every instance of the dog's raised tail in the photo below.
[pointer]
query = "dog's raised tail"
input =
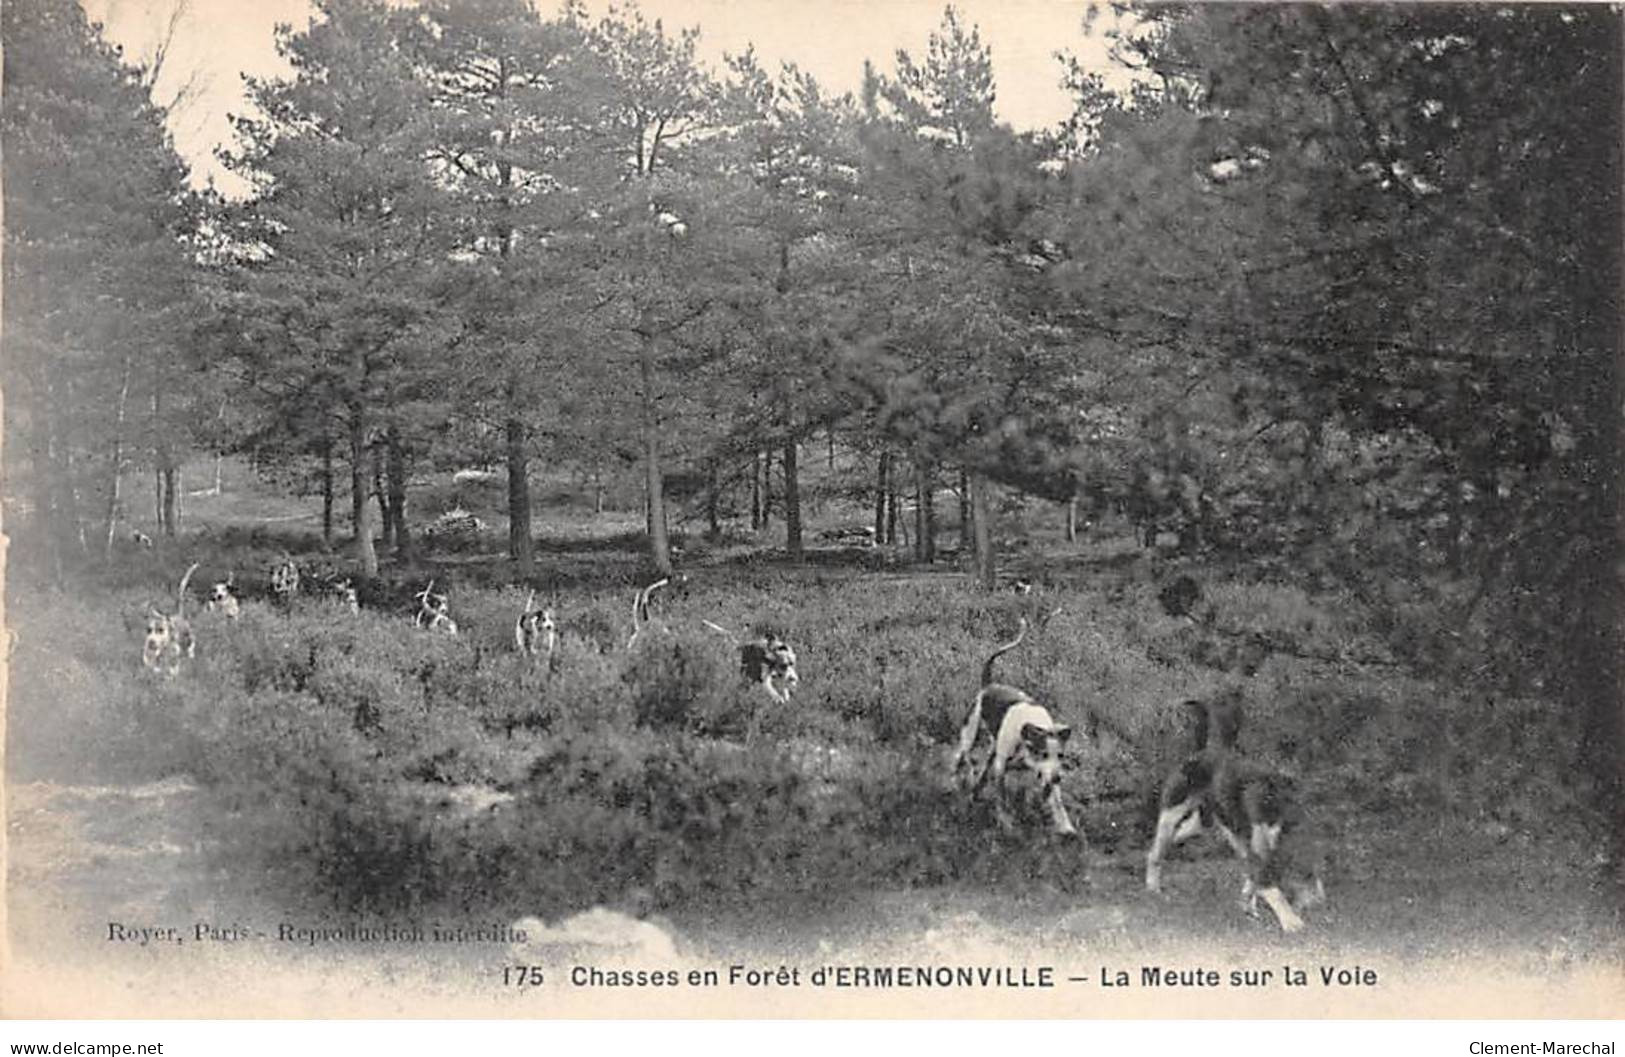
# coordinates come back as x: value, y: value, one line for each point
x: 519, y: 622
x: 987, y: 668
x: 640, y: 608
x: 180, y: 592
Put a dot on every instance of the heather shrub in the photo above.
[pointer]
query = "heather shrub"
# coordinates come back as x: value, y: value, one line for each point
x: 373, y: 761
x: 674, y: 680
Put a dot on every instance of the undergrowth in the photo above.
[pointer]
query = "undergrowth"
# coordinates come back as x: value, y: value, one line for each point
x: 346, y: 747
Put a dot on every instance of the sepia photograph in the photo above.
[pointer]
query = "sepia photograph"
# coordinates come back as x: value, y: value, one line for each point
x: 742, y: 509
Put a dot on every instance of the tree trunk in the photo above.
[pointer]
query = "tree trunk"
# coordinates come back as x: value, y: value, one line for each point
x: 654, y: 490
x: 982, y: 530
x: 767, y: 489
x: 597, y: 489
x: 925, y: 514
x: 653, y: 480
x: 965, y: 533
x: 163, y: 457
x: 521, y: 548
x: 360, y: 511
x: 386, y: 516
x: 327, y: 490
x: 755, y: 491
x: 1072, y: 520
x: 115, y: 486
x: 792, y: 502
x: 713, y: 513
x: 892, y: 494
x: 882, y: 494
x: 168, y: 492
x: 395, y: 477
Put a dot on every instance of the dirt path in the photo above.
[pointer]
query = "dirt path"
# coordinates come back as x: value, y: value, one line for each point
x: 109, y: 884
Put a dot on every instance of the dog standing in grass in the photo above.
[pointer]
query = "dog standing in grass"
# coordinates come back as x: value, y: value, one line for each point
x: 169, y: 636
x: 434, y: 611
x: 536, y: 631
x: 1253, y: 807
x: 285, y: 580
x: 223, y: 598
x: 766, y: 661
x: 1025, y: 737
x: 342, y: 590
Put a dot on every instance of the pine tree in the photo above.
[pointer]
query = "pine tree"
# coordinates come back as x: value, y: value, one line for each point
x: 98, y: 283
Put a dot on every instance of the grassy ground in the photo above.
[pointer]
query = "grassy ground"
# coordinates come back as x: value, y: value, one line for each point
x: 311, y: 764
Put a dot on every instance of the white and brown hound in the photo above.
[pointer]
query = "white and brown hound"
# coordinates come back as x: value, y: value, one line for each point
x: 536, y: 631
x: 223, y: 598
x: 1253, y: 807
x: 1025, y: 737
x: 169, y: 637
x: 434, y: 611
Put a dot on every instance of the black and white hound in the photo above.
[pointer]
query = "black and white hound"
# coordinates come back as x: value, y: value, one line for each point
x: 285, y: 580
x: 1025, y: 737
x: 223, y: 598
x: 766, y: 661
x: 169, y: 636
x: 1253, y: 807
x: 434, y: 611
x: 536, y: 631
x: 342, y: 589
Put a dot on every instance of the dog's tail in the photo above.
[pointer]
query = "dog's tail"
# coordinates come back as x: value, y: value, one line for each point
x: 423, y: 595
x: 180, y: 592
x: 640, y: 608
x: 987, y: 668
x: 519, y: 622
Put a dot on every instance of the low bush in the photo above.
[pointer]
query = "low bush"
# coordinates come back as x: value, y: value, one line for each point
x: 391, y: 768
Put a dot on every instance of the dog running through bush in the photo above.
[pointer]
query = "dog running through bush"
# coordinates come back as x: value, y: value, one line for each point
x: 1253, y: 807
x: 1025, y: 737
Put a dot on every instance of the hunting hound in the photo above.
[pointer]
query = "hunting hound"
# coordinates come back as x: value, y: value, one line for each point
x: 536, y: 630
x: 169, y: 635
x: 223, y: 598
x: 1254, y: 808
x: 285, y: 579
x: 434, y: 611
x: 1024, y: 736
x: 766, y: 661
x: 343, y: 591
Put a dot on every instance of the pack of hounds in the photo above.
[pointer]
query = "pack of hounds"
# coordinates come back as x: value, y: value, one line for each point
x: 1216, y: 787
x: 1252, y: 806
x: 765, y: 660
